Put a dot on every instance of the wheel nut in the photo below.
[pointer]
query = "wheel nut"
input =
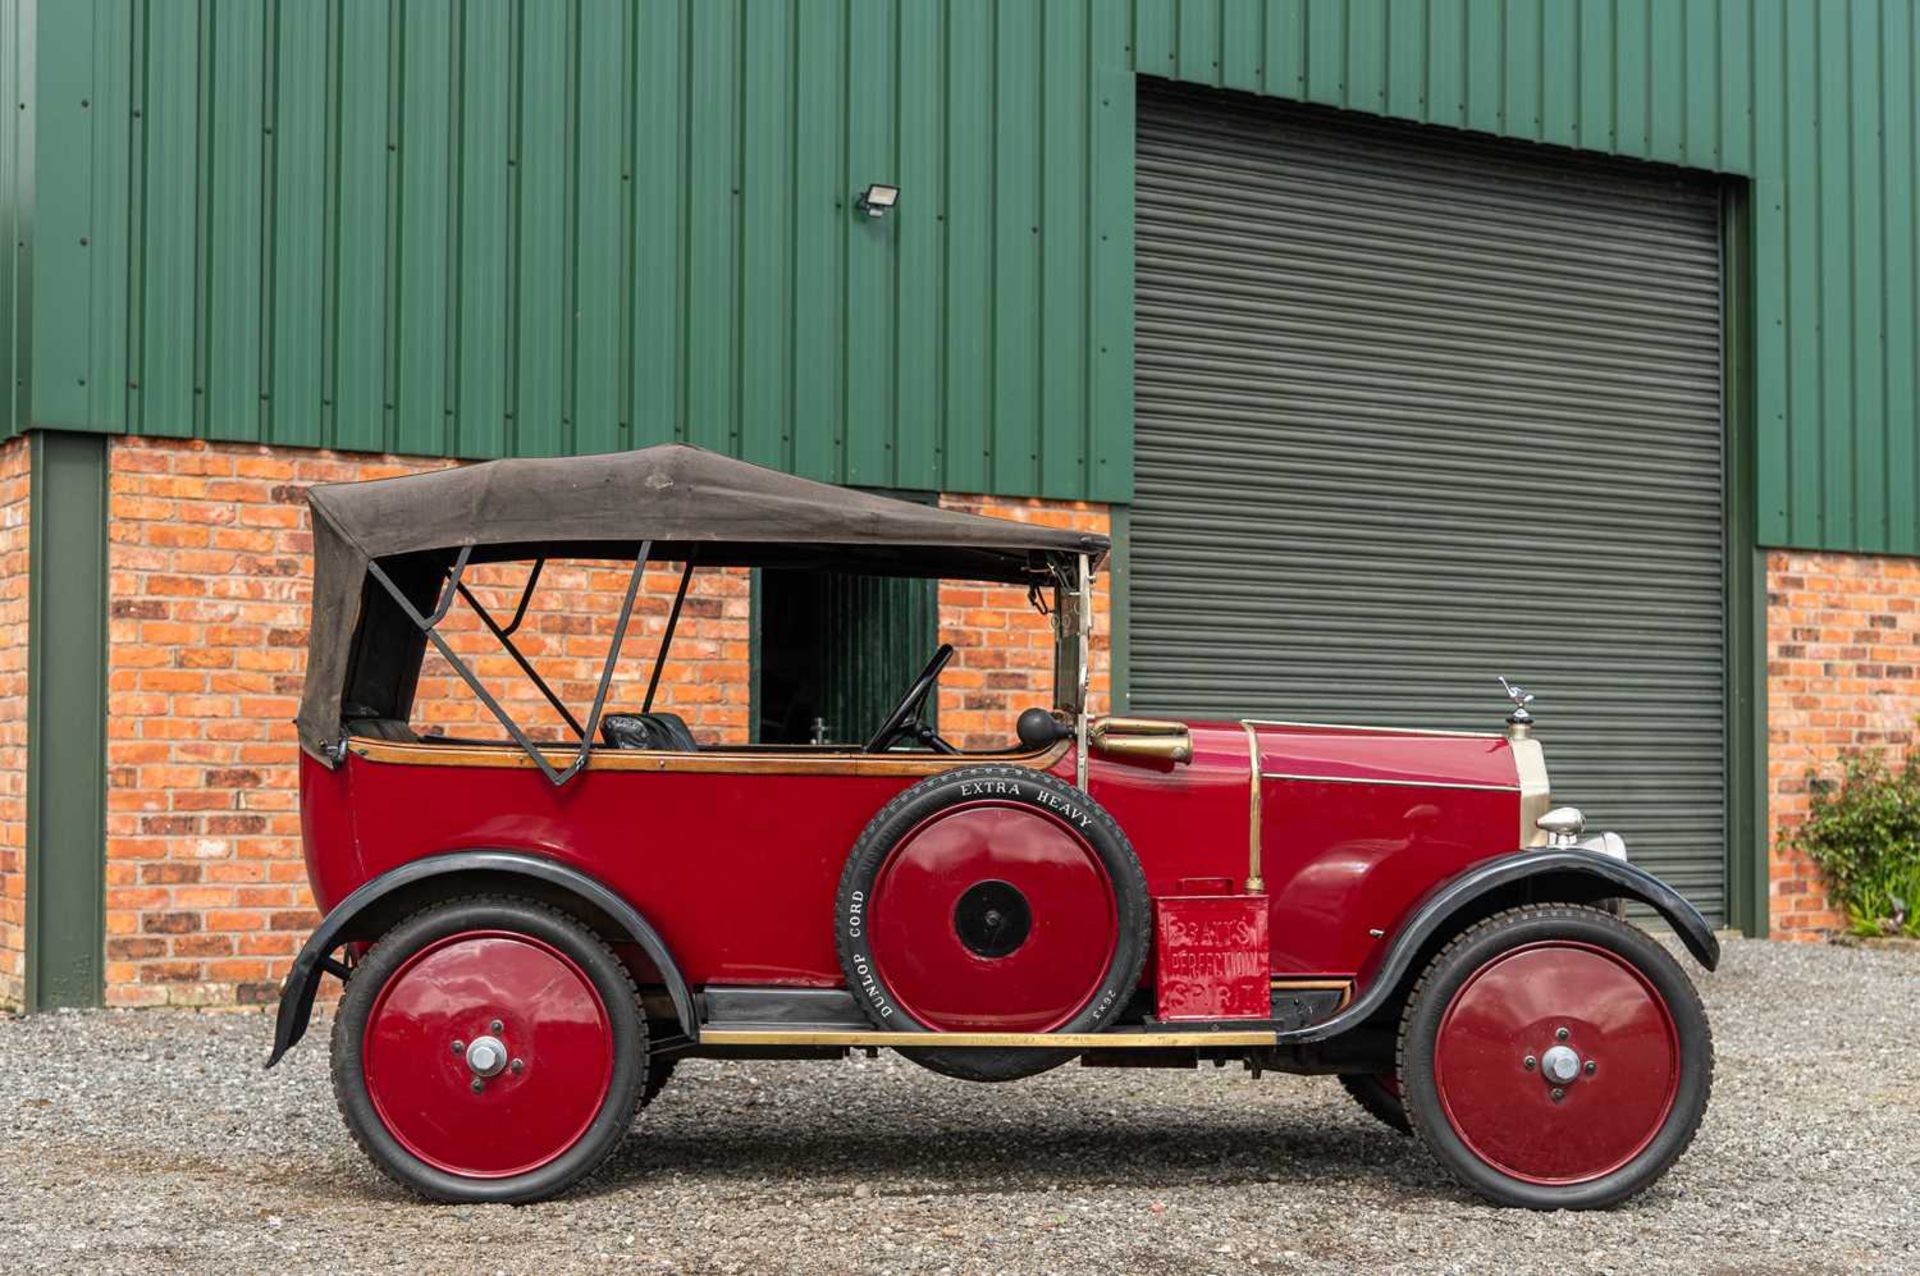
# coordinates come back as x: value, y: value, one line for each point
x: 1529, y: 1063
x: 1559, y: 1034
x: 1558, y: 1094
x: 1591, y: 1065
x: 459, y: 1047
x: 497, y: 1026
x: 520, y: 1065
x: 478, y: 1085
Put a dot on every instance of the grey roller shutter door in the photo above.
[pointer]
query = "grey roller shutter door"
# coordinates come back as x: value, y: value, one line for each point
x: 1416, y: 410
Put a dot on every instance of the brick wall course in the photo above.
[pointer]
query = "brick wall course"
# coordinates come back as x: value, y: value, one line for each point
x: 1003, y: 648
x: 209, y: 577
x: 15, y: 507
x: 1843, y: 648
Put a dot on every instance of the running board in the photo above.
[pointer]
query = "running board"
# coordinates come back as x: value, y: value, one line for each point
x: 1120, y: 1040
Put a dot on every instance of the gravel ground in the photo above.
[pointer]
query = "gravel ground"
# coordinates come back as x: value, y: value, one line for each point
x: 152, y: 1141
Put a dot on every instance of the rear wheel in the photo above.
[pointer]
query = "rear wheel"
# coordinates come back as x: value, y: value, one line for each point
x: 489, y: 1049
x: 1555, y: 1057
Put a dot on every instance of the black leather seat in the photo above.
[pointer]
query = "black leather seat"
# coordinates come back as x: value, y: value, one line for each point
x: 392, y: 730
x: 660, y: 732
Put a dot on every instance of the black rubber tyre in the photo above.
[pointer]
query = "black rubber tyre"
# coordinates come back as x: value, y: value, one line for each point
x: 1380, y: 1100
x: 500, y: 913
x: 1133, y: 917
x: 1482, y: 943
x: 659, y: 1072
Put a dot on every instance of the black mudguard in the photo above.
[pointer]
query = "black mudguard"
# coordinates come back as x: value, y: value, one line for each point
x: 1561, y: 875
x: 367, y: 912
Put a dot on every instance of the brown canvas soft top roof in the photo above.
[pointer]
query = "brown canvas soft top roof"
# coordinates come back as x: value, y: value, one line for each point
x: 685, y: 500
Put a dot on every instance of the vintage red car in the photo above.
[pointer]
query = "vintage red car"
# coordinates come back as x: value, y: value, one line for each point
x: 532, y: 933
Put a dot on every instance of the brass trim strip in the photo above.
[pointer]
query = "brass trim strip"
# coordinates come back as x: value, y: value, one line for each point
x: 1405, y: 784
x: 986, y: 1040
x: 1141, y: 738
x: 1255, y: 882
x: 1163, y: 748
x: 1137, y: 726
x: 1536, y: 791
x: 1378, y: 730
x: 508, y: 757
x: 1345, y: 987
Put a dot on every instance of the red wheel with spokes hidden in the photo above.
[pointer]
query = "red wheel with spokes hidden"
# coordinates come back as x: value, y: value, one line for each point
x: 992, y: 899
x: 1555, y: 1057
x: 993, y: 917
x: 489, y: 1050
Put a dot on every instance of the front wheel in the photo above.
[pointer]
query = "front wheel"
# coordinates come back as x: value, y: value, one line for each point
x: 1555, y: 1057
x: 1379, y: 1094
x: 489, y: 1049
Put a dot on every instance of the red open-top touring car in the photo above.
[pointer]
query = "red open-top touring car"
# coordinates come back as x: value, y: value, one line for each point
x: 532, y: 933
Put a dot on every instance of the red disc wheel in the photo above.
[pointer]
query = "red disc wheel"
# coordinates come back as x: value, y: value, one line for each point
x: 1557, y: 1063
x: 488, y: 1054
x: 993, y: 917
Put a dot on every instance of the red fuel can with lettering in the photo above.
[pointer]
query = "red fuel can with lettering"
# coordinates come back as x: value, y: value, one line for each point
x: 1211, y: 957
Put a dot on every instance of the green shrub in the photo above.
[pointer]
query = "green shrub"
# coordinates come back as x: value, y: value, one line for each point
x: 1864, y: 833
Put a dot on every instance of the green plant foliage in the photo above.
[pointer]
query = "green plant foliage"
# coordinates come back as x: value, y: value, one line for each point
x: 1864, y: 833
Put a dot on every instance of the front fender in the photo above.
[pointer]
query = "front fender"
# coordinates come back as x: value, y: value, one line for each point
x: 1558, y: 874
x: 367, y: 912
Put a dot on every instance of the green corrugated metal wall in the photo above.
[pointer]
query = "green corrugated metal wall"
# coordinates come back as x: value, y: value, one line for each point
x: 16, y: 151
x: 483, y: 227
x: 487, y: 228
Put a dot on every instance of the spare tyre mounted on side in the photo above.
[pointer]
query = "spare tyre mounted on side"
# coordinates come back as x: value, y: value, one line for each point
x: 992, y: 899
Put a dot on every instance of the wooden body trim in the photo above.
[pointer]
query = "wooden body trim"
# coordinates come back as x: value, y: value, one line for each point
x: 719, y: 761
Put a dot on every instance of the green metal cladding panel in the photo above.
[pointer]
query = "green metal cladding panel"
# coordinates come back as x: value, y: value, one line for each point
x: 489, y: 227
x: 486, y: 228
x: 16, y: 157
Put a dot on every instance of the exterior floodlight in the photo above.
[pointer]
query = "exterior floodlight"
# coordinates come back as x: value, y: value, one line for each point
x: 877, y: 200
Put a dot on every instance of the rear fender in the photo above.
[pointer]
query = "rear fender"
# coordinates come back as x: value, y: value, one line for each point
x: 377, y: 905
x: 1557, y: 875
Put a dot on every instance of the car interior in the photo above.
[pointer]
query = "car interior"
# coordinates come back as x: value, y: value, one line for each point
x: 830, y: 653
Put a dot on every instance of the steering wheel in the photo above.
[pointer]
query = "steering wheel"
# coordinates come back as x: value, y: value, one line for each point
x: 905, y: 718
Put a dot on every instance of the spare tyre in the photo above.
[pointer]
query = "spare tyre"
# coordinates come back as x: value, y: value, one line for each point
x: 992, y: 899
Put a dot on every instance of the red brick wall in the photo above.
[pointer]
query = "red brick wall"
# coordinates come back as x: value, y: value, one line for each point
x: 15, y: 485
x: 209, y: 569
x: 1843, y: 647
x: 565, y: 635
x: 1003, y: 648
x: 209, y: 576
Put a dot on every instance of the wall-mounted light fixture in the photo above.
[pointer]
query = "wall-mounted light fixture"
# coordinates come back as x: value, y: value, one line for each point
x: 877, y: 200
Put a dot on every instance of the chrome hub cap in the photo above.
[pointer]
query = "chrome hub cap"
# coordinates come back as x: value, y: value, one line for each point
x: 486, y: 1056
x: 1560, y: 1065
